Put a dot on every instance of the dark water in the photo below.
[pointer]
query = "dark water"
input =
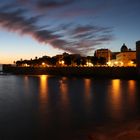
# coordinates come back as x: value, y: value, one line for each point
x: 49, y: 108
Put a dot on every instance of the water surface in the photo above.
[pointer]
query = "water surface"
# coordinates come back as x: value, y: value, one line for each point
x: 47, y: 107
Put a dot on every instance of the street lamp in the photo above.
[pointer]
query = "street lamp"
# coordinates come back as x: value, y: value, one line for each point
x: 43, y: 64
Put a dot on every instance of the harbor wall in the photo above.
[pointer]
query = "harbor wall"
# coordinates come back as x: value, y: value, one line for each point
x: 111, y: 72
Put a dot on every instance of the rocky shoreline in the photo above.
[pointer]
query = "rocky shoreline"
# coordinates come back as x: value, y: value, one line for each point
x: 120, y: 131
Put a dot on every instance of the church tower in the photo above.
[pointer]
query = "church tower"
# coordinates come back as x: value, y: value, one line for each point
x: 124, y: 48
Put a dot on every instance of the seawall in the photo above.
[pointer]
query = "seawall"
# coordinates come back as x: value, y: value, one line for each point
x: 101, y: 72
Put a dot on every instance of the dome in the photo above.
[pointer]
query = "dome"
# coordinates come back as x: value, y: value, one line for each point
x: 124, y: 48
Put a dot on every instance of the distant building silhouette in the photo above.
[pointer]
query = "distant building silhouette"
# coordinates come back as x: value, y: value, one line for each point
x: 105, y: 53
x: 125, y: 58
x: 124, y: 48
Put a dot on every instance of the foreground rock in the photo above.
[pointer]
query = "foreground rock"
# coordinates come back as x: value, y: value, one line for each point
x: 127, y: 131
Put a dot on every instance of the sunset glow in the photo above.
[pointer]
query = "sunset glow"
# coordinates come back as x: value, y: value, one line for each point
x: 37, y: 28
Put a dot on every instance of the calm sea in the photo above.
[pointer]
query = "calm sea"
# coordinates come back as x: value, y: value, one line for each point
x: 60, y: 108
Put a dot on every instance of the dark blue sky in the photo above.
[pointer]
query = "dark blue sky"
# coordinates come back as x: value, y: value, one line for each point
x: 30, y: 28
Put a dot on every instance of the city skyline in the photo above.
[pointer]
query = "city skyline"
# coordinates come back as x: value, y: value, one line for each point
x: 36, y: 27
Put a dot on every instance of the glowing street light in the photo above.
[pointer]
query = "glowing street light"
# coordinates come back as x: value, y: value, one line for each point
x: 43, y: 64
x: 25, y: 65
x: 116, y: 62
x: 108, y: 63
x: 121, y: 63
x: 89, y: 64
x: 62, y: 62
x: 131, y: 62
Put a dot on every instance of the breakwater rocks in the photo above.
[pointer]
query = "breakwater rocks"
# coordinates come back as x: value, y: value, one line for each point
x: 101, y: 72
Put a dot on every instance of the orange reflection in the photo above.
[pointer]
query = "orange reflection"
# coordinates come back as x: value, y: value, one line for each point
x: 132, y: 85
x: 43, y: 88
x: 132, y: 90
x: 65, y: 102
x: 43, y: 98
x: 26, y: 83
x: 87, y: 83
x: 87, y: 87
x: 64, y: 91
x: 115, y: 101
x: 116, y: 86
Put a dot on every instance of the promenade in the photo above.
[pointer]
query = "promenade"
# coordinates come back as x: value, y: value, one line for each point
x: 101, y: 72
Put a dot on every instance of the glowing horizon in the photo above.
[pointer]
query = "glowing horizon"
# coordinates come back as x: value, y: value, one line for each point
x: 38, y: 28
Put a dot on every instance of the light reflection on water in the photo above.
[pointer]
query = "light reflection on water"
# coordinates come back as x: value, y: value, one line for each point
x: 87, y: 93
x: 26, y: 83
x: 115, y: 98
x: 43, y: 97
x: 132, y: 94
x: 121, y: 98
x: 43, y: 92
x: 64, y: 91
x: 46, y: 105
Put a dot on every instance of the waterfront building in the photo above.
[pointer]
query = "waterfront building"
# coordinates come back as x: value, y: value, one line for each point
x: 126, y: 57
x: 105, y: 53
x: 113, y: 55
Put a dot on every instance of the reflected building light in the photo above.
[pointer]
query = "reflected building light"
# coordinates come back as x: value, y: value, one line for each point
x: 64, y: 91
x: 132, y: 95
x: 115, y: 99
x: 116, y: 86
x: 43, y: 88
x: 26, y: 79
x: 132, y: 85
x: 87, y: 85
x: 43, y: 98
x: 26, y: 82
x: 66, y: 106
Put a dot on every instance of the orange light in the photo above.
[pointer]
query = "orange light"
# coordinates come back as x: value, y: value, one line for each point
x: 62, y: 62
x: 43, y: 63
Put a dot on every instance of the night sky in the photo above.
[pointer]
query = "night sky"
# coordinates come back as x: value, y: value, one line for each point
x: 30, y: 28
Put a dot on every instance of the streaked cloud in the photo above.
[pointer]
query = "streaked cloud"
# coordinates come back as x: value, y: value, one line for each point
x: 71, y: 37
x: 53, y: 3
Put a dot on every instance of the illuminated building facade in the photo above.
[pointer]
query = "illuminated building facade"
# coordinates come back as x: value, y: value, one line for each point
x: 126, y: 58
